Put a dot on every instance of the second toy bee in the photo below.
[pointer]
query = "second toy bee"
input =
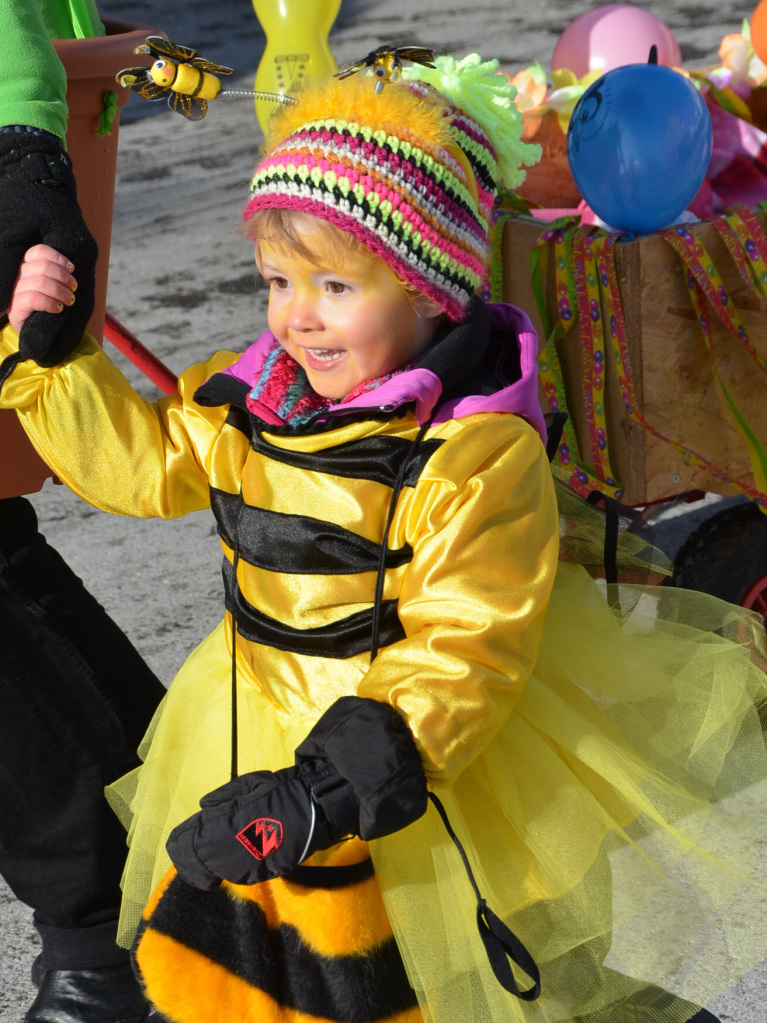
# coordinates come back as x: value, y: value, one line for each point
x: 386, y: 63
x: 180, y: 73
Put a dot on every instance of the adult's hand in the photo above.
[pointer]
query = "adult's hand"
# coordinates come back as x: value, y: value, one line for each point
x: 38, y: 204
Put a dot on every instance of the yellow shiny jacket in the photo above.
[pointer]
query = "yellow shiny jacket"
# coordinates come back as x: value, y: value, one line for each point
x: 472, y: 546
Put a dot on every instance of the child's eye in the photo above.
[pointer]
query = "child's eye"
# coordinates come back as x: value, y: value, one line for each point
x: 278, y: 283
x: 337, y: 287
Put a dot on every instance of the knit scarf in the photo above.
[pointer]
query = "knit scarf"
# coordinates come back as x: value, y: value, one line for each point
x: 283, y: 386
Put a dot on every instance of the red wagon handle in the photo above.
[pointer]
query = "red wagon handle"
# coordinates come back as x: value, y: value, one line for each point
x: 139, y: 355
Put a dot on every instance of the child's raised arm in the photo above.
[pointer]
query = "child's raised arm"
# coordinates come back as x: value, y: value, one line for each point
x: 45, y: 284
x: 113, y: 447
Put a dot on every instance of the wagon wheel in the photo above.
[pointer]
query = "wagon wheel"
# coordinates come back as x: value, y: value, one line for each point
x: 727, y: 556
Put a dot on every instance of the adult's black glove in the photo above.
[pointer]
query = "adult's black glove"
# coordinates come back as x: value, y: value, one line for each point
x: 38, y: 205
x: 357, y: 773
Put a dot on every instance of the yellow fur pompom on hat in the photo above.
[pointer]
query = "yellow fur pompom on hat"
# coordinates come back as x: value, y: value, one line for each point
x: 398, y: 111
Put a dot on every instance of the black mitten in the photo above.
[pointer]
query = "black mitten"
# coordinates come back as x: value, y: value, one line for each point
x: 357, y: 772
x: 261, y: 825
x: 38, y: 205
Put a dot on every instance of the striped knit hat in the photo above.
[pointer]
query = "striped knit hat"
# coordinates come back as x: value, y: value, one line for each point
x: 412, y: 172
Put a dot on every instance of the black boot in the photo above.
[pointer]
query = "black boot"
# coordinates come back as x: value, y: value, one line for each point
x: 107, y: 995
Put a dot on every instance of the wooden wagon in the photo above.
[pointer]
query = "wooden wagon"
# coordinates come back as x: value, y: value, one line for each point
x: 656, y: 347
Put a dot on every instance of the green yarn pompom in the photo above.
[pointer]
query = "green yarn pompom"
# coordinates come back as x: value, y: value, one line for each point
x: 473, y: 85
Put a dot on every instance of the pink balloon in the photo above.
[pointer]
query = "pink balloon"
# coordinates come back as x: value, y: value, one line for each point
x: 611, y: 36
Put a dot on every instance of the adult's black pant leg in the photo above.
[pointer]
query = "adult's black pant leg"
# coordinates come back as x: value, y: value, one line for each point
x: 75, y: 699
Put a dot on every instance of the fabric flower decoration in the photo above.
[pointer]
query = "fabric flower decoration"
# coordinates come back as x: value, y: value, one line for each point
x: 535, y: 97
x: 740, y: 63
x: 532, y: 86
x: 566, y: 91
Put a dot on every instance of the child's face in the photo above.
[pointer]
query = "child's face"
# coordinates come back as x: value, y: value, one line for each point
x: 344, y: 325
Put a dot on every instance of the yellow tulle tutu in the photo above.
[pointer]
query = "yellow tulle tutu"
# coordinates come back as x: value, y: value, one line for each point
x: 616, y: 822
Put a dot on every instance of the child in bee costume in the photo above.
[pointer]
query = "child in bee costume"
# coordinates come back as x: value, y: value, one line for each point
x: 404, y: 626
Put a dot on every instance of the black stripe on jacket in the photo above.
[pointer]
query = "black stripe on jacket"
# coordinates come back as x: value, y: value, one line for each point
x: 342, y: 639
x: 376, y: 458
x: 296, y: 544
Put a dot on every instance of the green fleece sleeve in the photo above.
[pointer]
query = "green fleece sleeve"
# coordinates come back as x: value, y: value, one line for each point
x: 33, y: 82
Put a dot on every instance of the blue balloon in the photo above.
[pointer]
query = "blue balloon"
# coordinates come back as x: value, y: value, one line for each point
x: 639, y: 145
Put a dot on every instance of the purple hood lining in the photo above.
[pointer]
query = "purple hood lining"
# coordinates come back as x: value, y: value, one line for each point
x: 424, y: 387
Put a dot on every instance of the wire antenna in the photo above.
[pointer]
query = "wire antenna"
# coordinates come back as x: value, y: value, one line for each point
x: 271, y: 97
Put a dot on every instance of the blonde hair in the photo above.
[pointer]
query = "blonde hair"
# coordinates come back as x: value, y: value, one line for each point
x: 324, y: 245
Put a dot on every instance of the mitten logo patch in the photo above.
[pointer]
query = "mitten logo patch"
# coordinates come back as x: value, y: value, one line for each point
x: 261, y: 837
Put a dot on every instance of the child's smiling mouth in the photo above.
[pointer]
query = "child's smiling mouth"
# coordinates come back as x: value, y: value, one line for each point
x: 323, y: 358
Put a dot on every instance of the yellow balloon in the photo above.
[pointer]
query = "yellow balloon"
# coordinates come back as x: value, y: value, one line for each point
x: 296, y: 46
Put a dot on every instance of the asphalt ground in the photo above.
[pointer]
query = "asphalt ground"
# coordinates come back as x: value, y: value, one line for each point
x: 182, y: 280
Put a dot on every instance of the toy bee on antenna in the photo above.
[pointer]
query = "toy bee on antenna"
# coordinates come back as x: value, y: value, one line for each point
x: 180, y: 73
x: 185, y: 77
x: 386, y: 63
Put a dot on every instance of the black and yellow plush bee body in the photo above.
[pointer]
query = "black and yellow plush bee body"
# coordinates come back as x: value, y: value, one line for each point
x: 315, y: 946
